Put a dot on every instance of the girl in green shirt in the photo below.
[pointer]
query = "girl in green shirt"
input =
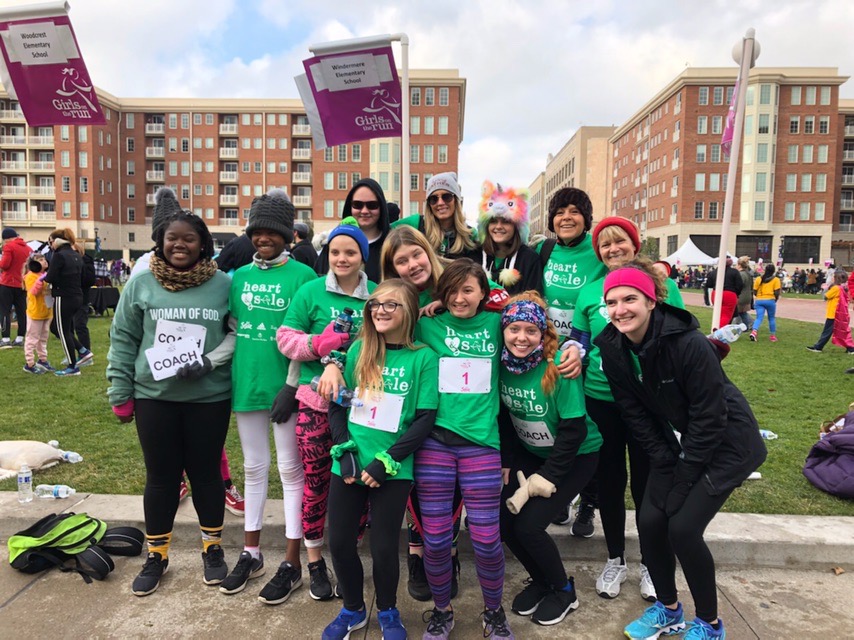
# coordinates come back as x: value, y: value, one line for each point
x: 373, y: 451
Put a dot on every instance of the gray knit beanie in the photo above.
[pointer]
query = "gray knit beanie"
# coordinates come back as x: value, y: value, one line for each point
x: 273, y: 211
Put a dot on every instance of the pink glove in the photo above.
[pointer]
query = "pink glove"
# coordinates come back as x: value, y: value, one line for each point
x: 328, y: 341
x: 124, y: 410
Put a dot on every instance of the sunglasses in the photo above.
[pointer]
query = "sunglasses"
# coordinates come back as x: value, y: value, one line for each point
x: 358, y: 205
x: 447, y: 198
x: 388, y: 307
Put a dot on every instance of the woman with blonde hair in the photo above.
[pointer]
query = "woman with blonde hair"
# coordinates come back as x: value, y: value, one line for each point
x: 373, y: 451
x: 408, y: 255
x: 443, y: 222
x: 65, y: 277
x: 549, y: 451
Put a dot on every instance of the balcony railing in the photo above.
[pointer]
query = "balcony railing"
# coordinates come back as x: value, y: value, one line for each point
x: 229, y: 222
x: 155, y: 152
x: 228, y: 129
x: 149, y: 199
x: 228, y: 176
x: 43, y: 165
x: 15, y: 215
x: 849, y: 129
x: 16, y: 140
x: 43, y: 216
x: 228, y: 152
x: 155, y: 176
x: 302, y: 130
x: 302, y: 201
x: 846, y: 155
x: 14, y: 190
x: 228, y: 200
x: 848, y: 227
x: 302, y: 154
x: 846, y: 203
x: 7, y: 165
x: 155, y: 128
x: 11, y: 114
x: 845, y: 179
x: 302, y: 177
x: 44, y: 141
x: 43, y: 191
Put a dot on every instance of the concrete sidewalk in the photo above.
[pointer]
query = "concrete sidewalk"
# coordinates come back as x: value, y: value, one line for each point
x: 774, y: 581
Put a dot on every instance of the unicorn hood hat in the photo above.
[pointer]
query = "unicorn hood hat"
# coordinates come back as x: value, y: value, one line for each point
x: 498, y: 202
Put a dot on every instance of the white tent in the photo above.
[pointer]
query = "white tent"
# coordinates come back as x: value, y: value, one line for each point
x: 689, y: 255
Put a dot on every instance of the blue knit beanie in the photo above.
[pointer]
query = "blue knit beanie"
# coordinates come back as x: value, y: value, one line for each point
x: 349, y: 227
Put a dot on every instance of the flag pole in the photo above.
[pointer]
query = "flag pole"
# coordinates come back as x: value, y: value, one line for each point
x: 745, y: 53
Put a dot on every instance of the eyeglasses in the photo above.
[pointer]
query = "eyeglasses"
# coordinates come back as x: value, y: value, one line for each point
x: 358, y: 205
x: 388, y: 307
x: 447, y: 198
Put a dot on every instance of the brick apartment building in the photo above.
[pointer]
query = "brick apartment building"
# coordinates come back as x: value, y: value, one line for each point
x: 669, y: 175
x: 217, y: 154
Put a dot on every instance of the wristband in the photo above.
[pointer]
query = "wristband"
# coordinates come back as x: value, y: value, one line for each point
x: 569, y: 343
x: 338, y: 450
x: 391, y: 465
x: 335, y: 357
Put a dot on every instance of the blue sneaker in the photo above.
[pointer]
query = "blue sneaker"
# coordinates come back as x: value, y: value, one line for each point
x: 34, y: 369
x: 44, y: 364
x: 346, y: 622
x: 68, y: 371
x: 391, y: 625
x: 702, y: 630
x: 655, y: 621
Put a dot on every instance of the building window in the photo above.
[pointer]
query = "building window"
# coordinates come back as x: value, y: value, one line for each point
x: 700, y: 182
x: 789, y: 211
x: 428, y: 126
x: 822, y: 153
x: 66, y: 184
x: 209, y: 118
x: 698, y: 210
x: 796, y: 96
x: 791, y: 182
x: 283, y: 118
x: 702, y: 124
x: 429, y: 97
x: 818, y: 214
x: 701, y: 153
x: 414, y: 153
x: 256, y: 167
x: 807, y: 157
x: 759, y: 210
x: 729, y: 92
x: 443, y: 153
x: 825, y: 100
x: 703, y: 96
x: 794, y: 124
x: 415, y: 125
x: 821, y: 182
x: 342, y: 180
x: 762, y: 152
x: 328, y: 154
x: 428, y: 153
x: 443, y: 96
x: 809, y: 124
x: 355, y: 177
x: 413, y: 182
x: 713, y: 211
x: 793, y: 153
x: 824, y: 124
x: 804, y: 211
x: 714, y: 182
x: 197, y: 119
x: 415, y: 96
x: 761, y: 182
x: 383, y: 180
x: 185, y: 145
x: 185, y: 120
x: 185, y: 191
x: 283, y: 167
x: 717, y: 124
x: 383, y: 152
x: 764, y: 123
x: 131, y: 167
x: 63, y: 133
x: 718, y: 96
x: 342, y: 153
x: 809, y: 96
x: 83, y: 159
x: 443, y: 125
x: 129, y: 120
x: 806, y: 182
x: 356, y: 153
x: 715, y: 154
x: 765, y: 94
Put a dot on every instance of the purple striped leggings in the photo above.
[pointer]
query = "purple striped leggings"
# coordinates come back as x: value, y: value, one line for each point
x: 437, y: 467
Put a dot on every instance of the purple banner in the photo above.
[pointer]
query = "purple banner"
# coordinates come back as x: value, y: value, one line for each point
x: 45, y: 72
x: 352, y: 96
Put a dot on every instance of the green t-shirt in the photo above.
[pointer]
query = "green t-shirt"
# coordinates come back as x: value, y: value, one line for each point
x: 469, y: 351
x: 313, y: 308
x: 259, y: 299
x: 591, y: 316
x: 425, y: 297
x: 674, y: 296
x: 536, y: 415
x: 409, y: 221
x: 568, y: 270
x: 410, y: 378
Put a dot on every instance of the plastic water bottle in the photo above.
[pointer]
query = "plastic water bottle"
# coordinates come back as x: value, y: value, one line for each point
x: 25, y: 484
x: 729, y: 333
x: 346, y: 397
x: 768, y: 435
x: 344, y: 321
x: 54, y: 491
x: 71, y: 456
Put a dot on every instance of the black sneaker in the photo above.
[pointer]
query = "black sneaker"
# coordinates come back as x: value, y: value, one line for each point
x: 563, y: 517
x: 215, y: 567
x: 149, y: 578
x: 417, y: 584
x: 556, y: 605
x: 439, y: 624
x: 583, y: 525
x: 495, y: 624
x: 529, y: 598
x: 320, y: 586
x: 246, y: 568
x: 455, y: 576
x: 287, y: 580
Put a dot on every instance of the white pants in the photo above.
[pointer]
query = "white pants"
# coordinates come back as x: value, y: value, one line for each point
x: 253, y: 427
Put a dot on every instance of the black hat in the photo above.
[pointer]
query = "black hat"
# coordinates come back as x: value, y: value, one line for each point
x: 273, y: 211
x: 165, y: 206
x: 567, y: 196
x: 9, y: 232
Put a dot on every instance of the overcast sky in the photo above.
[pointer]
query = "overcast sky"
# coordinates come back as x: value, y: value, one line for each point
x: 536, y: 70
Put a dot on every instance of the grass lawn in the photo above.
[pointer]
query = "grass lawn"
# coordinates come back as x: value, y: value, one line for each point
x: 790, y: 389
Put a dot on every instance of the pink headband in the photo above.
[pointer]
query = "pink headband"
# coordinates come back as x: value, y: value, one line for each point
x: 630, y: 277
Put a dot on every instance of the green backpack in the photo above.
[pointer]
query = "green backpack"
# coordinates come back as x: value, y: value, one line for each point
x: 58, y: 538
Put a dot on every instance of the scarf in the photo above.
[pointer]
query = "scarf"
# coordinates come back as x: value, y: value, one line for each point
x: 173, y: 279
x: 518, y: 365
x: 281, y: 259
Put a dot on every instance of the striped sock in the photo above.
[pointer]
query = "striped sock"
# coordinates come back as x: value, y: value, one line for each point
x: 211, y: 536
x: 159, y: 544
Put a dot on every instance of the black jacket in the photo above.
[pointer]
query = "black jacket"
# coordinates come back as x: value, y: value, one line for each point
x: 372, y: 268
x: 236, y: 253
x: 527, y: 264
x: 684, y: 388
x: 303, y: 252
x: 732, y: 280
x: 65, y: 272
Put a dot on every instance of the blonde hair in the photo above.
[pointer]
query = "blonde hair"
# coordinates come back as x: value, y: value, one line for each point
x: 371, y: 360
x: 612, y: 233
x: 433, y: 230
x: 550, y: 341
x: 406, y: 236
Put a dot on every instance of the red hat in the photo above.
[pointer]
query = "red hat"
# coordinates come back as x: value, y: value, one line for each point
x: 624, y: 223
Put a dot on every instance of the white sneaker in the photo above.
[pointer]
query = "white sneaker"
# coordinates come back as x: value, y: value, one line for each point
x: 19, y: 342
x: 612, y: 576
x: 5, y: 343
x: 647, y: 589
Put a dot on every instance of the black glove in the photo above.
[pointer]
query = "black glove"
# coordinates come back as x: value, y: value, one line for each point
x: 195, y: 370
x: 284, y: 404
x: 676, y: 498
x: 349, y: 465
x: 658, y: 485
x: 376, y: 470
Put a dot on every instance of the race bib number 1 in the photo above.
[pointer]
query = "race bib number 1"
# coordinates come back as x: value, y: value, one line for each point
x: 381, y: 412
x: 465, y: 375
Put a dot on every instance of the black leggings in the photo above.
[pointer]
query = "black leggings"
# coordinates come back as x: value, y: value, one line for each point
x: 81, y: 326
x: 62, y: 325
x: 346, y: 506
x: 611, y: 475
x: 664, y: 539
x: 177, y: 436
x: 525, y: 533
x: 13, y: 297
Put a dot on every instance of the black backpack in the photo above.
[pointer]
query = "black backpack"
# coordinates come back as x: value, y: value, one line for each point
x: 546, y: 249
